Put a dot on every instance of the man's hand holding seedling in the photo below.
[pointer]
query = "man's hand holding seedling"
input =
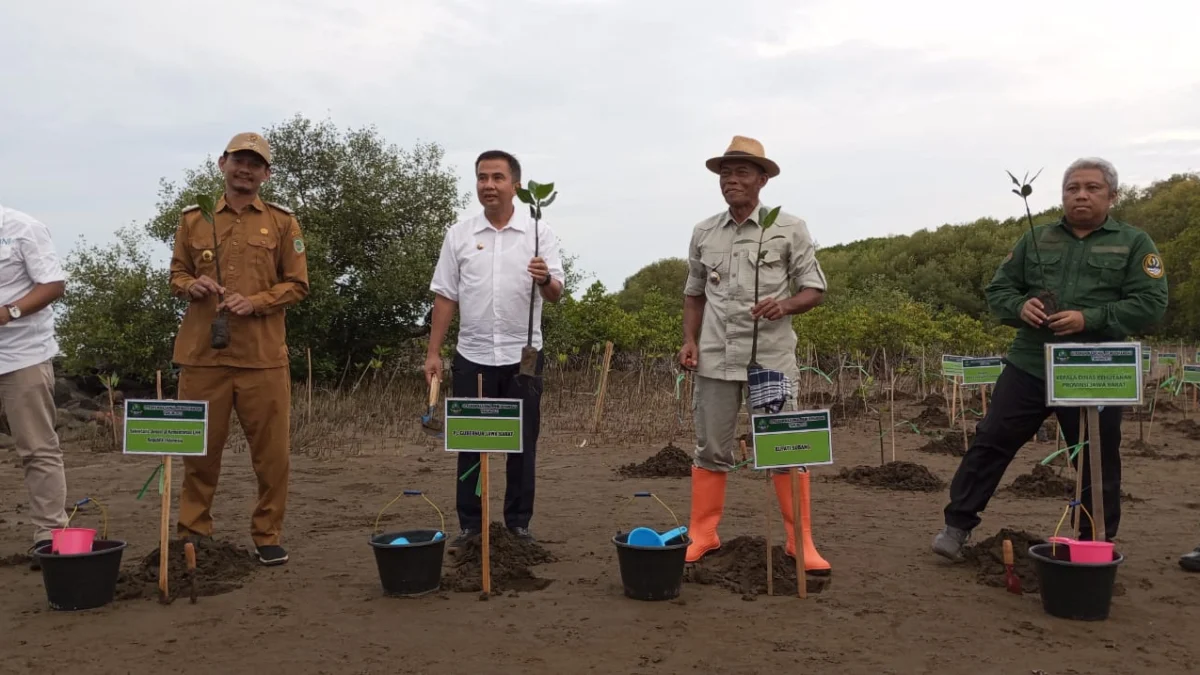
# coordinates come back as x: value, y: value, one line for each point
x: 204, y: 287
x: 539, y: 270
x: 1067, y: 322
x: 238, y: 304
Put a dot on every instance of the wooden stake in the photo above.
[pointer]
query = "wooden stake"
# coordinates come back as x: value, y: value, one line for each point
x: 983, y: 397
x: 487, y: 521
x: 801, y: 578
x: 308, y: 392
x: 164, y: 591
x: 1094, y: 448
x: 1079, y: 469
x: 598, y: 414
x: 771, y: 499
x: 892, y: 413
x: 964, y: 418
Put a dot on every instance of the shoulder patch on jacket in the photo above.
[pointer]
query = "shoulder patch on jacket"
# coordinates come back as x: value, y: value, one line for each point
x: 1152, y: 265
x: 281, y: 207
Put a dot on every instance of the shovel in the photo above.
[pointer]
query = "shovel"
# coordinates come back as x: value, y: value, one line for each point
x: 1011, y: 581
x: 432, y: 426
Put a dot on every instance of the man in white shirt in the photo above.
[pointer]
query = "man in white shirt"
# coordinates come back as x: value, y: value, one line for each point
x: 30, y: 279
x: 486, y: 272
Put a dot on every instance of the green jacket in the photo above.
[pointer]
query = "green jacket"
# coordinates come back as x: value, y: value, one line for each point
x: 1114, y: 275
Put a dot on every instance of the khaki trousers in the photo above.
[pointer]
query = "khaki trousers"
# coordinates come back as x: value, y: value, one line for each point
x: 262, y: 398
x: 28, y: 398
x: 716, y: 405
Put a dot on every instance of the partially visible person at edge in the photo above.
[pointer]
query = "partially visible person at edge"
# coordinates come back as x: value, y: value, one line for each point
x: 263, y: 271
x: 1110, y: 284
x: 485, y: 272
x: 30, y: 279
x: 718, y: 323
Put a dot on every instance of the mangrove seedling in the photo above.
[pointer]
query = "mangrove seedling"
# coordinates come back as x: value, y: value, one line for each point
x: 1047, y: 296
x: 765, y: 220
x: 219, y: 331
x: 537, y: 196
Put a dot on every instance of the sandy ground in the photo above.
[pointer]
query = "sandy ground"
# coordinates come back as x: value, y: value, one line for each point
x: 892, y: 606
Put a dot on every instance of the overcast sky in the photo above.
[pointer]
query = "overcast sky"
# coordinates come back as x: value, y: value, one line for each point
x: 886, y: 117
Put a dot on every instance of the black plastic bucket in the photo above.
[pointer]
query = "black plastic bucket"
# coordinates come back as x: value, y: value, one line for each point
x: 652, y: 572
x: 81, y: 580
x: 1077, y: 591
x: 413, y: 569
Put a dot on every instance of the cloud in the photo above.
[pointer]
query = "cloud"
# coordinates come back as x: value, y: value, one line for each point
x: 885, y: 117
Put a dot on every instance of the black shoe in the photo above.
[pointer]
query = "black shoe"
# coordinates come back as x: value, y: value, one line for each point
x: 271, y: 555
x: 463, y: 537
x: 35, y: 563
x: 1191, y: 561
x: 522, y: 533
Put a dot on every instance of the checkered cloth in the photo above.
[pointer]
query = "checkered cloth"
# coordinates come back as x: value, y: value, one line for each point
x: 769, y: 389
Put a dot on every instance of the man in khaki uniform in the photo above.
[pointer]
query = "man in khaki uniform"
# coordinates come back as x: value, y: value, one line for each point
x: 263, y: 271
x: 718, y: 324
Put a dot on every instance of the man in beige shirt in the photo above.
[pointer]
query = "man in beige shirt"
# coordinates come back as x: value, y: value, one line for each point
x: 718, y: 324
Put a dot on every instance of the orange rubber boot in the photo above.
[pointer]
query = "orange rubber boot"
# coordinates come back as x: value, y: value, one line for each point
x: 708, y: 503
x: 813, y: 562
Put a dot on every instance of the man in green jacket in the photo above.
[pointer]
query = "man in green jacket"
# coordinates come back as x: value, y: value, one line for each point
x: 1109, y: 283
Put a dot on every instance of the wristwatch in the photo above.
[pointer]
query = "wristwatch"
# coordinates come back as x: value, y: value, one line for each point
x: 546, y: 282
x: 14, y: 312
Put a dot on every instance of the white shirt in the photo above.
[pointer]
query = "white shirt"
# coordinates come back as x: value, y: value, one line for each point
x: 486, y: 271
x: 27, y: 257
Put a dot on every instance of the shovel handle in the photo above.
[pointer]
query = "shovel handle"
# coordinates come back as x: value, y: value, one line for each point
x: 190, y: 550
x: 434, y: 390
x: 1008, y: 552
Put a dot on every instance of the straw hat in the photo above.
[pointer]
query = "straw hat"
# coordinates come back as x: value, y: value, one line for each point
x: 746, y: 149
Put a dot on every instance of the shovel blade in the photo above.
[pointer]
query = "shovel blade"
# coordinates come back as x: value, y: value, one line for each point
x: 529, y: 358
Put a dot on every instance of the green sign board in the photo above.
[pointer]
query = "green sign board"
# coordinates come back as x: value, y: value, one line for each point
x: 982, y: 370
x: 1107, y: 373
x: 1191, y: 374
x: 1146, y: 360
x: 1167, y: 358
x: 154, y: 427
x: 952, y: 366
x: 788, y: 439
x: 484, y: 425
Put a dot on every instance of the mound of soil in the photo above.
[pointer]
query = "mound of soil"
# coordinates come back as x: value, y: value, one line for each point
x: 932, y: 418
x: 987, y: 557
x: 950, y: 443
x: 741, y: 567
x: 1042, y: 483
x: 1188, y: 428
x: 510, y: 560
x: 1165, y: 406
x: 844, y: 411
x: 894, y: 476
x: 670, y: 462
x: 220, y: 568
x: 15, y: 560
x: 934, y: 401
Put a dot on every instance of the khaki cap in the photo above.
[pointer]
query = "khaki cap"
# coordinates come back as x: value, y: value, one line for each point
x: 252, y: 142
x: 745, y: 149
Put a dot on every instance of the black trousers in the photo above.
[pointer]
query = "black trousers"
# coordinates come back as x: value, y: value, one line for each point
x: 500, y: 382
x: 1018, y: 409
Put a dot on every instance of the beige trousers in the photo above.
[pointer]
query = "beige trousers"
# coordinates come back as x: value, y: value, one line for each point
x: 716, y: 405
x: 28, y: 398
x: 262, y: 398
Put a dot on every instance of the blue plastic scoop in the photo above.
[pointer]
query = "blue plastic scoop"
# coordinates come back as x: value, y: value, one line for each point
x: 403, y: 541
x: 644, y: 536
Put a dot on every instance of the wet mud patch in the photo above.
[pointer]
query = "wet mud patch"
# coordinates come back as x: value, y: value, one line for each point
x: 15, y: 560
x: 907, y: 476
x: 221, y: 568
x: 510, y: 560
x: 934, y: 401
x: 1188, y: 428
x: 1145, y: 450
x: 740, y: 566
x: 670, y: 462
x: 987, y: 558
